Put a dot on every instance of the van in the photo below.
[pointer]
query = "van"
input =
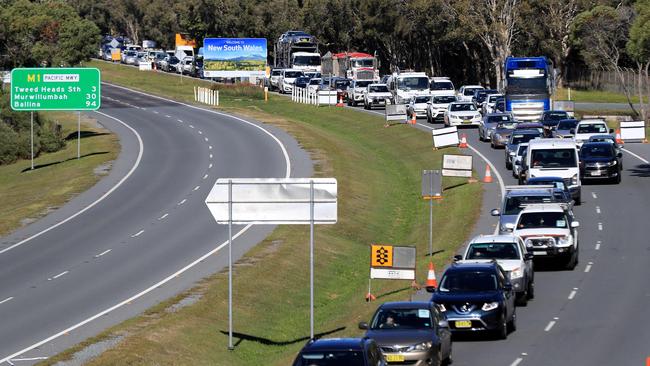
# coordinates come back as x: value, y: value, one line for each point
x: 554, y: 158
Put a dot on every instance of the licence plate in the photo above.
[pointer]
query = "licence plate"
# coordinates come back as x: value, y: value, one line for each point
x: 463, y: 323
x: 539, y: 253
x: 394, y: 358
x: 467, y: 122
x: 596, y: 173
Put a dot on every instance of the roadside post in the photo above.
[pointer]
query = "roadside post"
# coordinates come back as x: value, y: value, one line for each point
x: 273, y: 201
x: 55, y: 89
x: 431, y: 190
x: 390, y: 262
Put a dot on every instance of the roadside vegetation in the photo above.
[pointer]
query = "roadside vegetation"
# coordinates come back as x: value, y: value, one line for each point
x: 378, y: 171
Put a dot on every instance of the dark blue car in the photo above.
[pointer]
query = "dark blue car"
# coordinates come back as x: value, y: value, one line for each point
x: 477, y: 297
x: 561, y: 191
x: 340, y: 352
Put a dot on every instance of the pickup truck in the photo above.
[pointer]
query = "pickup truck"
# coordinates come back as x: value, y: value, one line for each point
x: 356, y: 91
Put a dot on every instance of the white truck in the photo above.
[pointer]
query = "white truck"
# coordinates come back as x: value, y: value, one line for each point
x: 306, y: 61
x: 183, y: 52
x: 407, y: 85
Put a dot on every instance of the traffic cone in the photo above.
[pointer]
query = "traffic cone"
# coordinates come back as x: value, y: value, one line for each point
x: 414, y: 119
x: 488, y: 174
x: 431, y: 278
x: 370, y: 297
x: 340, y: 103
x: 619, y: 140
x: 463, y: 141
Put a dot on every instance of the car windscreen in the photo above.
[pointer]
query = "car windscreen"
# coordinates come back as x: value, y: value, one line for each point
x: 276, y: 72
x: 540, y: 220
x: 519, y: 138
x: 342, y: 84
x: 462, y: 107
x: 444, y: 99
x: 314, y: 81
x: 363, y: 62
x: 500, y: 118
x: 292, y: 74
x: 494, y: 97
x: 597, y: 151
x: 555, y: 116
x: 553, y: 158
x: 493, y: 251
x: 514, y: 205
x: 470, y: 91
x: 302, y: 79
x: 415, y: 82
x: 442, y: 85
x: 468, y: 281
x: 362, y: 84
x: 567, y: 125
x: 379, y: 89
x: 522, y: 149
x: 592, y: 128
x: 414, y: 318
x: 509, y: 125
x: 331, y: 358
x: 422, y: 99
x: 306, y: 60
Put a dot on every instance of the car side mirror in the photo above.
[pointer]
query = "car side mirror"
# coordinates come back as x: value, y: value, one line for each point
x: 363, y: 325
x: 528, y: 256
x: 575, y: 224
x: 495, y: 212
x: 443, y: 324
x: 572, y: 131
x: 507, y: 287
x: 458, y: 257
x: 611, y: 130
x: 509, y: 226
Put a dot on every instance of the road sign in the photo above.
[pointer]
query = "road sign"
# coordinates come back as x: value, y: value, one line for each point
x: 392, y: 262
x: 457, y: 166
x: 62, y: 89
x: 382, y: 256
x: 431, y: 184
x: 446, y: 136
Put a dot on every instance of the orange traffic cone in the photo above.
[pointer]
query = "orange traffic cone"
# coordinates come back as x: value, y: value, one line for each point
x: 488, y: 174
x: 619, y: 140
x: 370, y: 297
x: 431, y: 278
x: 414, y: 119
x: 340, y: 103
x: 463, y: 141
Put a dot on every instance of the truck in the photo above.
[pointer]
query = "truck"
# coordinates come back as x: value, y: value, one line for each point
x: 297, y: 50
x: 528, y: 87
x: 351, y: 65
x: 405, y: 85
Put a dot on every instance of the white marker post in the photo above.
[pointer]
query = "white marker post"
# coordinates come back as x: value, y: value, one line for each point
x: 32, y: 138
x: 79, y: 135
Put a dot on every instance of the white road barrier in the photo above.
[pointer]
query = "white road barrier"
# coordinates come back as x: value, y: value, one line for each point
x: 447, y: 136
x: 206, y: 96
x: 633, y: 131
x: 307, y: 96
x: 145, y: 66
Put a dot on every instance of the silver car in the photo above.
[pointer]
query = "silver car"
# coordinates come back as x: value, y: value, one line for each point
x: 489, y: 123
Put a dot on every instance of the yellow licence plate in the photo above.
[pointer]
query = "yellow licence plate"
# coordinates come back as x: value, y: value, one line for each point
x: 467, y: 122
x: 463, y: 323
x: 394, y: 358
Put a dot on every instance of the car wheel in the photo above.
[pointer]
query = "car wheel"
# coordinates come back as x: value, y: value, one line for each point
x: 429, y: 119
x: 502, y: 331
x: 349, y: 103
x: 438, y: 360
x: 531, y: 290
x: 578, y: 200
x: 508, y: 166
x: 617, y: 180
x: 448, y: 361
x: 513, y: 322
x: 522, y: 299
x: 573, y: 261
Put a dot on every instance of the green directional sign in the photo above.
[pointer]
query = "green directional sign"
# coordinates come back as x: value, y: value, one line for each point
x: 62, y: 89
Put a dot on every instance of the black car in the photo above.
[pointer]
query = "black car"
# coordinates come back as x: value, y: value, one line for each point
x: 302, y: 82
x: 340, y: 352
x: 481, y: 94
x: 599, y: 160
x: 550, y: 120
x: 477, y: 297
x: 561, y: 191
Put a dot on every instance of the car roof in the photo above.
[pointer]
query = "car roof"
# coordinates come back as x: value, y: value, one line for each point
x: 472, y: 86
x: 555, y: 142
x: 527, y: 125
x: 592, y: 120
x: 481, y: 239
x: 533, y: 190
x: 325, y: 344
x: 526, y: 132
x: 542, y: 207
x: 546, y: 179
x: 472, y: 266
x: 597, y: 143
x: 405, y: 305
x: 603, y: 136
x: 470, y: 103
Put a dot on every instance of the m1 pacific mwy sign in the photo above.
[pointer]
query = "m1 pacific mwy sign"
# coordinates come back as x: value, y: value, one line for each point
x: 42, y: 89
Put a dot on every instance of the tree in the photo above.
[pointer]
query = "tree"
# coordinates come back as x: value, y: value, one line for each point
x: 638, y: 47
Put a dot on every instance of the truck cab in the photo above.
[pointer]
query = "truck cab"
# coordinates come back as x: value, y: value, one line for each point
x: 306, y: 61
x: 556, y: 158
x: 407, y: 85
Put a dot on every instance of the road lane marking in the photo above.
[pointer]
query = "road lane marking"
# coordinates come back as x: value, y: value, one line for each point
x: 550, y: 325
x: 210, y: 156
x: 597, y: 209
x: 573, y: 293
x: 137, y: 234
x: 163, y: 216
x: 600, y: 226
x: 180, y: 120
x: 206, y: 139
x: 200, y: 133
x: 205, y: 176
x: 28, y: 359
x: 7, y: 299
x: 197, y: 188
x: 210, y: 166
x: 183, y: 201
x: 103, y: 253
x: 156, y: 112
x: 636, y: 156
x: 168, y: 116
x: 210, y: 147
x: 593, y: 194
x: 191, y: 126
x: 116, y: 186
x: 517, y: 361
x: 598, y: 245
x: 57, y: 276
x: 588, y: 267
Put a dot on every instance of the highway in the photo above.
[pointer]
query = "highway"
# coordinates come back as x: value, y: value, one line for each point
x: 593, y: 315
x: 143, y: 233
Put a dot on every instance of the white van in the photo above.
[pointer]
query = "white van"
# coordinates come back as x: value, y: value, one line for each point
x: 554, y: 158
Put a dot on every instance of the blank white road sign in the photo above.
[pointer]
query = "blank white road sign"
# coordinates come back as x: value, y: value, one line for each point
x: 273, y: 200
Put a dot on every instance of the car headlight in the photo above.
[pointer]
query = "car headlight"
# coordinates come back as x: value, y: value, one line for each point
x: 489, y: 306
x: 516, y: 273
x: 477, y: 116
x: 442, y: 308
x: 454, y: 117
x: 424, y: 346
x: 612, y: 163
x: 574, y: 180
x: 566, y: 240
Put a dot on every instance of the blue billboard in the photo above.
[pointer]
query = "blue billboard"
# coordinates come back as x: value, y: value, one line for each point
x: 234, y: 57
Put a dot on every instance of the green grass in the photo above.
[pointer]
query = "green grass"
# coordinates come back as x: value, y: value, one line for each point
x: 27, y: 195
x: 378, y: 171
x: 592, y: 96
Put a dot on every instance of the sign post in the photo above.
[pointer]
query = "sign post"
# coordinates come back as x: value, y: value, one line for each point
x: 273, y: 201
x: 431, y: 190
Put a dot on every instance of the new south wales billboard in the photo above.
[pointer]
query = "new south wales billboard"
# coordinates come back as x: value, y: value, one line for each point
x: 234, y: 57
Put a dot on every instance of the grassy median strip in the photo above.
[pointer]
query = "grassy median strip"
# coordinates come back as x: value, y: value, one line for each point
x: 27, y: 195
x: 378, y: 171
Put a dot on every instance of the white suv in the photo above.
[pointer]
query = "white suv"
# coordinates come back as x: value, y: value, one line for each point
x: 590, y: 127
x: 554, y: 158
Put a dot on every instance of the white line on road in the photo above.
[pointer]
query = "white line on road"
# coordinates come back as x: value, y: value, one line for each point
x: 29, y: 359
x: 168, y: 116
x: 636, y: 156
x: 597, y: 209
x: 549, y: 326
x: 7, y: 299
x: 210, y: 147
x: 588, y: 267
x: 156, y: 112
x: 180, y: 120
x: 133, y: 168
x: 517, y: 361
x: 102, y: 253
x: 593, y: 194
x: 206, y: 139
x: 163, y: 216
x: 183, y: 201
x: 573, y: 293
x: 598, y: 246
x: 57, y: 276
x: 205, y: 176
x: 210, y: 166
x: 197, y: 188
x: 210, y: 156
x: 137, y: 234
x: 600, y: 226
x: 200, y: 132
x: 191, y: 126
x: 144, y: 109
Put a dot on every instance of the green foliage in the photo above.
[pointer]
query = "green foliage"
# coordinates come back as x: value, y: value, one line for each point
x: 638, y: 45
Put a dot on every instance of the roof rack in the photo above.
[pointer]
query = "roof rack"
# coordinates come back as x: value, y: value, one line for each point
x: 565, y: 206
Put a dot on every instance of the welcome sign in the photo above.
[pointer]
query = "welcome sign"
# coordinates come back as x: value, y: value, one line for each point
x: 234, y: 57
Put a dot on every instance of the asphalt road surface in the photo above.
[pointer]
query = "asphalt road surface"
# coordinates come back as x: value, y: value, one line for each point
x: 595, y: 314
x: 146, y: 223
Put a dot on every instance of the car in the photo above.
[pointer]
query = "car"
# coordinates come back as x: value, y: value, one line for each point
x: 297, y: 38
x: 516, y: 138
x: 549, y: 230
x: 489, y: 123
x: 418, y: 106
x: 517, y: 159
x: 438, y: 106
x: 301, y: 82
x: 461, y: 114
x: 550, y: 119
x: 274, y: 79
x: 516, y: 197
x: 489, y: 103
x: 130, y: 57
x: 606, y: 138
x: 565, y: 128
x: 313, y: 74
x: 554, y: 158
x: 561, y: 190
x: 287, y: 80
x: 600, y: 160
x: 340, y: 352
x: 186, y: 66
x: 441, y: 86
x: 499, y: 105
x: 510, y: 253
x: 314, y: 84
x: 531, y: 126
x: 477, y: 297
x: 480, y: 95
x: 466, y: 92
x: 355, y: 91
x: 341, y: 86
x: 376, y: 95
x: 590, y: 127
x: 169, y: 63
x: 502, y: 133
x: 411, y: 333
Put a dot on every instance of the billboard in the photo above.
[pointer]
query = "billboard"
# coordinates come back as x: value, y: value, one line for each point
x: 234, y: 57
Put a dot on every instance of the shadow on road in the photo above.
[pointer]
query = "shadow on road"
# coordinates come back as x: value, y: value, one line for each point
x: 642, y: 170
x: 269, y: 342
x: 63, y: 161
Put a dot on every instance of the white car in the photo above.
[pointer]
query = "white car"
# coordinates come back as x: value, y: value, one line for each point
x: 441, y: 86
x: 356, y: 90
x: 376, y: 95
x: 438, y: 106
x: 466, y: 92
x: 554, y: 158
x: 590, y: 127
x: 461, y: 114
x: 274, y: 79
x: 314, y: 84
x: 511, y: 254
x: 287, y: 79
x: 418, y: 106
x: 549, y: 230
x: 490, y: 102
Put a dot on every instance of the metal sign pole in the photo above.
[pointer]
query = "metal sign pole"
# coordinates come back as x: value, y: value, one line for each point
x: 79, y: 135
x: 230, y: 346
x: 32, y: 138
x: 431, y: 216
x: 311, y: 259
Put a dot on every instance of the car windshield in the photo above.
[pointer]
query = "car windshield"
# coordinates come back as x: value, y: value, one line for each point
x: 314, y: 81
x: 592, y: 128
x: 567, y: 125
x: 519, y: 138
x: 363, y: 62
x: 470, y: 91
x: 500, y: 118
x: 597, y: 151
x: 494, y: 97
x: 493, y: 251
x: 342, y: 84
x: 522, y: 149
x: 540, y: 220
x: 379, y: 89
x: 276, y: 72
x: 555, y: 116
x: 445, y: 99
x: 422, y: 99
x: 402, y: 319
x: 509, y: 125
x: 553, y: 158
x: 536, y: 85
x: 331, y: 358
x: 556, y: 183
x: 466, y: 281
x: 514, y: 205
x: 415, y: 82
x: 442, y: 85
x: 302, y: 79
x: 306, y: 60
x: 464, y: 107
x: 362, y: 84
x: 292, y: 74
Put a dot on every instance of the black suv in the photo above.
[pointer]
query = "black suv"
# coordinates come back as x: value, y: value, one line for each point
x: 600, y: 160
x: 340, y: 352
x: 477, y: 297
